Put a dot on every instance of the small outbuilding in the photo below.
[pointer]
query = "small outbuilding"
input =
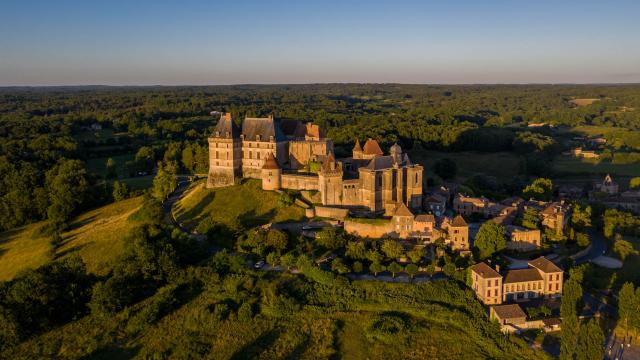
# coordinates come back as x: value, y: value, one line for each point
x: 508, y: 314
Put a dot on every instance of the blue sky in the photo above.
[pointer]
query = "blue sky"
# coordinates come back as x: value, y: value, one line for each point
x: 230, y: 42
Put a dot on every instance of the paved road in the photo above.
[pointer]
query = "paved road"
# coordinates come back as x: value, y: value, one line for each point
x: 598, y: 248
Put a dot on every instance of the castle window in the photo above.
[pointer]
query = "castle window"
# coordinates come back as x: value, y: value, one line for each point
x: 258, y: 155
x: 217, y: 157
x: 416, y: 178
x: 250, y: 155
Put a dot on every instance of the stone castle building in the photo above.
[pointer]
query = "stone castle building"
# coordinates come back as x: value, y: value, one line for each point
x: 285, y: 159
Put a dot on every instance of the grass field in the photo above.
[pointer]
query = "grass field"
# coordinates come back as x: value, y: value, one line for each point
x: 502, y: 165
x: 565, y: 165
x: 97, y: 236
x: 246, y: 202
x: 99, y: 165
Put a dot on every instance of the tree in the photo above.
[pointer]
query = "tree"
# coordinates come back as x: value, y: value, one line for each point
x: 490, y: 239
x: 634, y: 183
x: 288, y: 260
x: 111, y: 168
x: 431, y: 269
x: 571, y: 301
x: 416, y: 255
x: 445, y: 168
x: 391, y: 248
x: 623, y: 248
x: 339, y: 266
x: 331, y: 238
x: 68, y: 188
x: 164, y: 183
x: 590, y: 341
x: 357, y: 267
x: 120, y: 191
x: 540, y: 189
x: 356, y: 250
x: 376, y: 268
x: 449, y: 269
x: 581, y: 218
x: 277, y: 240
x: 394, y: 267
x: 531, y: 218
x: 412, y: 270
x: 628, y: 305
x: 582, y: 239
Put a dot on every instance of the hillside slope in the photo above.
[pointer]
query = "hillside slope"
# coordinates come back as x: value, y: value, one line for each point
x: 97, y: 236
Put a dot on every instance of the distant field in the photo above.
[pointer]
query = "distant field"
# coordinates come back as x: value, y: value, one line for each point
x: 247, y: 203
x: 97, y: 236
x: 502, y: 165
x: 99, y: 165
x: 583, y: 102
x: 566, y: 165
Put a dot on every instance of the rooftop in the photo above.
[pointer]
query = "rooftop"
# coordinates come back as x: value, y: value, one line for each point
x: 371, y: 147
x: 509, y: 311
x: 522, y: 275
x: 485, y: 271
x: 544, y: 265
x: 425, y: 218
x: 458, y: 221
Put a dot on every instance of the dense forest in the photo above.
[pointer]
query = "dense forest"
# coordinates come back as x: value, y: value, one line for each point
x: 51, y: 137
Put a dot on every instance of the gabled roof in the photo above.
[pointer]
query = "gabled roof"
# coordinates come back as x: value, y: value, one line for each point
x: 485, y: 271
x: 510, y: 311
x: 402, y: 210
x: 425, y: 218
x: 371, y: 147
x: 330, y: 164
x: 270, y: 162
x: 522, y: 275
x: 459, y: 221
x: 357, y: 146
x: 265, y: 127
x: 545, y: 265
x: 289, y: 126
x: 225, y: 128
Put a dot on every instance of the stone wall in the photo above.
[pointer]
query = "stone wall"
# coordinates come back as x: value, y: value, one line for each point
x: 331, y: 212
x: 299, y: 182
x: 376, y: 230
x: 303, y: 151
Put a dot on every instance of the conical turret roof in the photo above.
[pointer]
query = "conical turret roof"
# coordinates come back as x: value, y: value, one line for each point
x: 357, y: 146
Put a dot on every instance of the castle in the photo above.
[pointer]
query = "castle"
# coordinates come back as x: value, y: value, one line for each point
x: 284, y: 154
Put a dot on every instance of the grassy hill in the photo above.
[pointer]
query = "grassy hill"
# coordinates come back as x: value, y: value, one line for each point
x: 246, y: 202
x: 362, y: 320
x: 97, y: 236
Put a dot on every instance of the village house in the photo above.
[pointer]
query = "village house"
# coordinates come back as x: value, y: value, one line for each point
x: 522, y: 239
x: 542, y: 278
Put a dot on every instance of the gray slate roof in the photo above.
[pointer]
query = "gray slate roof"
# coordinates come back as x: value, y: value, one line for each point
x: 265, y: 127
x: 226, y: 128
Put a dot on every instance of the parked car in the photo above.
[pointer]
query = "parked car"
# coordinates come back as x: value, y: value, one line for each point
x: 259, y: 264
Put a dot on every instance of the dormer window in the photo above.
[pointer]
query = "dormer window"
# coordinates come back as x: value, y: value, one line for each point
x: 217, y: 133
x: 271, y: 138
x: 257, y: 137
x: 227, y: 134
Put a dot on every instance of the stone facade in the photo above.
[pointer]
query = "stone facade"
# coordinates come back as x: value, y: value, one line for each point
x: 541, y: 279
x: 371, y: 180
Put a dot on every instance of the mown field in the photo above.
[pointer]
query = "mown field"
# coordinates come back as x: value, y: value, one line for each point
x: 246, y: 203
x: 97, y: 236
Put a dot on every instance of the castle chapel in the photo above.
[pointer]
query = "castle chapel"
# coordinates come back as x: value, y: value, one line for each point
x: 283, y: 154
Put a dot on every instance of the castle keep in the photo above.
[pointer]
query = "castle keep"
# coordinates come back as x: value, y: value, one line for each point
x: 284, y: 154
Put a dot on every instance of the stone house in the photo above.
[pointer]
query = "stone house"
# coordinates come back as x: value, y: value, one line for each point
x: 542, y: 278
x: 510, y: 314
x: 522, y: 239
x: 556, y: 216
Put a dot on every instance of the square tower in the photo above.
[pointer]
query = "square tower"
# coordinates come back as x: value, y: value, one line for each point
x: 225, y: 153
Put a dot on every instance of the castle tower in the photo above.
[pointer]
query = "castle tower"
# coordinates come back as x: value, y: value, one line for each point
x: 225, y: 153
x: 357, y: 150
x: 396, y: 153
x: 271, y: 173
x: 330, y: 182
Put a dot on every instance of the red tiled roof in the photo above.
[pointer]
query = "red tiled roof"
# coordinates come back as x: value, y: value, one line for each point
x: 371, y: 147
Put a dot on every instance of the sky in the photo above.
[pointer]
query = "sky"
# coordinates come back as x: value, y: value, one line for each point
x: 208, y: 42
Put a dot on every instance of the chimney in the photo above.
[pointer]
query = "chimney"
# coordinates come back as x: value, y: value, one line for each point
x: 497, y: 268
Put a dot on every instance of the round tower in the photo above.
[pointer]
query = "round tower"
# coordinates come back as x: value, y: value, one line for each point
x: 271, y: 173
